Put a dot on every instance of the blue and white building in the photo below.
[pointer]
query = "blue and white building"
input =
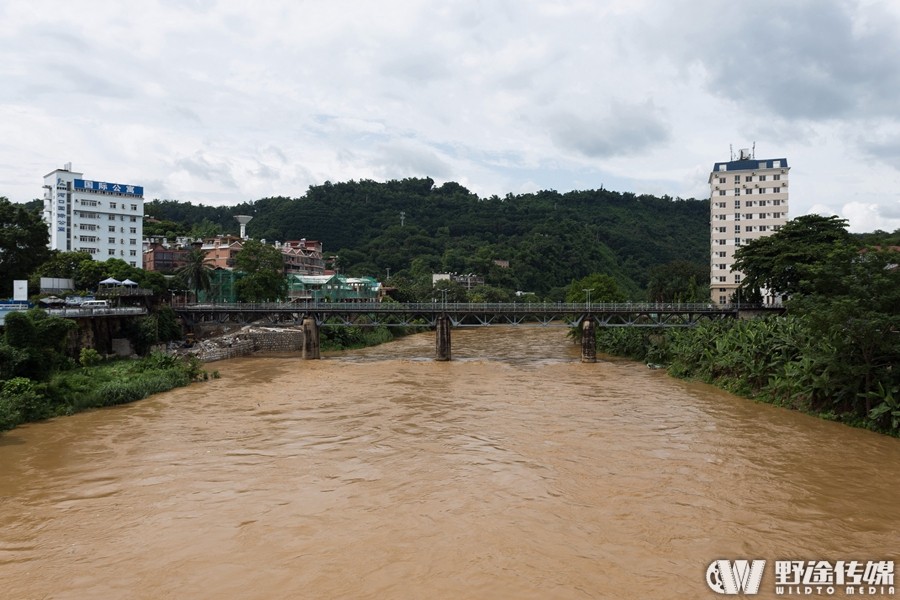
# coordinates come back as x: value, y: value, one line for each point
x: 101, y: 218
x: 748, y: 200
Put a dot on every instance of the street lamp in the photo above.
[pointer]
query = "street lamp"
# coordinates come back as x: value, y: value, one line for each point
x: 443, y: 298
x: 588, y: 293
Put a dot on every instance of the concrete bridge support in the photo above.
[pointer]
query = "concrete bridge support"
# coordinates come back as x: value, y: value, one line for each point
x: 588, y: 342
x: 442, y: 338
x: 310, y: 332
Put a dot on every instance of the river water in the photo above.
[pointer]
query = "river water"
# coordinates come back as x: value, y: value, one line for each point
x: 513, y: 471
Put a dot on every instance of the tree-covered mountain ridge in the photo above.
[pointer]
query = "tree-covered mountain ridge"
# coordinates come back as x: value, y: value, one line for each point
x: 410, y: 228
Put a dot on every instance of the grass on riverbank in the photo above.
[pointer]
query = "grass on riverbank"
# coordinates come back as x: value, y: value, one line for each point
x: 23, y: 400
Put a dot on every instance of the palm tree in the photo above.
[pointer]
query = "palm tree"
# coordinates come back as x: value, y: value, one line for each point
x: 195, y: 272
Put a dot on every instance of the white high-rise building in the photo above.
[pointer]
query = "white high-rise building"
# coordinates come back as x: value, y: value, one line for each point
x: 101, y: 218
x: 748, y: 200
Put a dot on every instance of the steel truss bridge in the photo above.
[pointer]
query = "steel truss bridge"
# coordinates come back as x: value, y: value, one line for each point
x: 427, y: 314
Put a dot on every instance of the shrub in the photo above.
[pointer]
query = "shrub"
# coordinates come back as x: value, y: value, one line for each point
x: 89, y: 357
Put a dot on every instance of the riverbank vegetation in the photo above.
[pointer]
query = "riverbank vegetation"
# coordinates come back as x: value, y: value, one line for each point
x: 96, y: 384
x: 38, y: 380
x: 836, y: 351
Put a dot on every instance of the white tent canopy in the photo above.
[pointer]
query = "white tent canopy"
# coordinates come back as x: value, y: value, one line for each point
x: 110, y: 281
x: 129, y: 282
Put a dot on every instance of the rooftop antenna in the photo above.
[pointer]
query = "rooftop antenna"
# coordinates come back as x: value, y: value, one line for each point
x: 753, y: 155
x: 731, y: 152
x: 243, y: 220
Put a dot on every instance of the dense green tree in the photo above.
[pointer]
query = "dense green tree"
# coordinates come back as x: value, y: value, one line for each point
x: 62, y: 264
x: 446, y: 290
x: 852, y: 304
x: 23, y: 243
x: 33, y: 344
x: 678, y: 281
x: 487, y: 293
x: 603, y: 288
x: 263, y: 267
x: 782, y: 263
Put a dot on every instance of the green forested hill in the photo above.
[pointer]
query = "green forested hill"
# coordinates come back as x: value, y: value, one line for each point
x: 412, y: 227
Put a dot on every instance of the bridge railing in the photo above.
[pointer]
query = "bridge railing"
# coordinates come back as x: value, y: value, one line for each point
x: 437, y: 306
x: 96, y: 312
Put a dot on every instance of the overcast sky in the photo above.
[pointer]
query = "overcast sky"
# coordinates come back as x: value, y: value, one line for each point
x: 220, y: 102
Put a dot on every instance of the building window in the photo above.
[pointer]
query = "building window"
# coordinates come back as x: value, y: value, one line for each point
x: 763, y: 228
x: 748, y: 178
x: 720, y: 242
x: 776, y: 177
x: 134, y: 207
x: 776, y: 190
x: 737, y: 278
x: 737, y: 241
x: 776, y: 227
x: 762, y: 190
x: 112, y: 240
x: 748, y: 228
x: 133, y: 252
x: 737, y: 178
x: 737, y: 191
x: 737, y: 204
x: 723, y: 278
x: 722, y: 300
x: 721, y: 254
x: 132, y: 241
x: 762, y: 177
x: 112, y: 205
x: 721, y: 229
x: 737, y: 216
x: 133, y: 230
x: 721, y: 192
x: 111, y: 252
x: 776, y: 202
x: 721, y: 180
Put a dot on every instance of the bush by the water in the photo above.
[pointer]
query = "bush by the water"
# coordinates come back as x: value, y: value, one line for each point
x: 787, y: 361
x: 23, y: 400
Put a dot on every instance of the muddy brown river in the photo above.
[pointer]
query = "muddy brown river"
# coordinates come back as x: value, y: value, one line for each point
x: 513, y: 471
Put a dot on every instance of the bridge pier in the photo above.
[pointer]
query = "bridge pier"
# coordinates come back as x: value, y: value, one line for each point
x: 442, y: 338
x: 310, y: 333
x: 588, y: 342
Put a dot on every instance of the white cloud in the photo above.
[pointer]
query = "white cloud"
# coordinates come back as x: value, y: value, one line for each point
x: 222, y: 102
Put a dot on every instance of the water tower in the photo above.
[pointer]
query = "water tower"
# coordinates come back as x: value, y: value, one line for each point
x: 243, y: 220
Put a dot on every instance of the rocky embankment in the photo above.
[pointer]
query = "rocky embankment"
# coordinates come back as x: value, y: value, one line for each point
x: 250, y: 339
